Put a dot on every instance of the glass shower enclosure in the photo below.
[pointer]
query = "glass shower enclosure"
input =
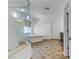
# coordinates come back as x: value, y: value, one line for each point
x: 19, y: 22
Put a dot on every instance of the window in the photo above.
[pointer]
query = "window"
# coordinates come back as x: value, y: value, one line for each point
x: 28, y: 17
x: 15, y: 15
x: 27, y: 29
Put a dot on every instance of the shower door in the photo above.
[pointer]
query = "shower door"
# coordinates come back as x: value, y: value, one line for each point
x: 18, y: 19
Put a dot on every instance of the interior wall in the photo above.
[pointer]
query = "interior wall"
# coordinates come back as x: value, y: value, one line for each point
x: 50, y: 26
x: 42, y: 27
x: 44, y: 18
x: 57, y: 26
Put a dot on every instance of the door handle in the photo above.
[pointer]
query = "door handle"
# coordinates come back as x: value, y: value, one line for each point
x: 70, y: 38
x: 67, y: 30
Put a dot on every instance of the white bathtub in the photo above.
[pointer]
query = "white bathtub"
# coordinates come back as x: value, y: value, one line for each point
x: 36, y: 38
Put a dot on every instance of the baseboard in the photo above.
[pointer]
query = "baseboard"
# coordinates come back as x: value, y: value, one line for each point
x: 55, y: 38
x: 49, y: 37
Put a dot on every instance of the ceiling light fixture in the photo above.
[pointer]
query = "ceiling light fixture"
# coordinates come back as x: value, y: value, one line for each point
x: 47, y: 8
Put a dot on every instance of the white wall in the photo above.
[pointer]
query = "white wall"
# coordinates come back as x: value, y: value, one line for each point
x: 44, y: 17
x: 57, y: 26
x: 43, y: 26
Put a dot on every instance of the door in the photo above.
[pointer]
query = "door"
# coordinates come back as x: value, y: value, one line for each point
x: 66, y: 32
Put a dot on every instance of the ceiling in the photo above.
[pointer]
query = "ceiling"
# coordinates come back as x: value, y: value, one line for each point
x: 37, y: 8
x: 56, y: 8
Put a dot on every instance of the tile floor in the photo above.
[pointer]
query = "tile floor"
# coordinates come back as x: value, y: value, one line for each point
x: 48, y: 49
